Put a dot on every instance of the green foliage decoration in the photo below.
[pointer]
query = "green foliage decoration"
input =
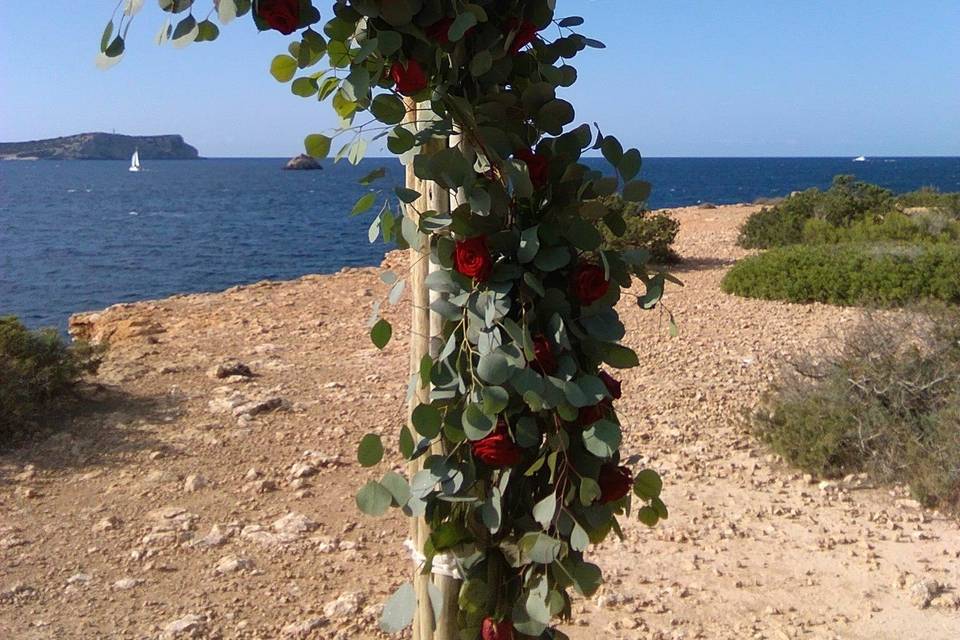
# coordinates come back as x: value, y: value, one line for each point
x: 533, y: 472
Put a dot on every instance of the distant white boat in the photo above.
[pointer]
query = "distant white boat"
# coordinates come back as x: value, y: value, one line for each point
x: 859, y: 159
x: 135, y: 161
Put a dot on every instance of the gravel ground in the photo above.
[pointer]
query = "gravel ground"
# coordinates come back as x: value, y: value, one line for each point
x: 185, y: 501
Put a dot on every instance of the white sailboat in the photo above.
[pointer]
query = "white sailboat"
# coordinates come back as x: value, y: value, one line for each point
x: 860, y: 159
x: 135, y: 161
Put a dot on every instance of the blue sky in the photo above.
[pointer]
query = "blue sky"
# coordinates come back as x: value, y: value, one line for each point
x: 679, y: 78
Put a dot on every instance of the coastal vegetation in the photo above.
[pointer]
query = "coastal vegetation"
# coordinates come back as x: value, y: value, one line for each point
x: 887, y: 404
x: 850, y: 273
x: 855, y: 243
x: 38, y: 371
x: 653, y: 231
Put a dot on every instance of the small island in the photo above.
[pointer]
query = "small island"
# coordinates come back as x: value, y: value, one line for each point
x: 100, y: 146
x: 303, y: 162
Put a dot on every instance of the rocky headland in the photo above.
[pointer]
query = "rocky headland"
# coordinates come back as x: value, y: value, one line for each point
x: 100, y: 146
x: 207, y: 490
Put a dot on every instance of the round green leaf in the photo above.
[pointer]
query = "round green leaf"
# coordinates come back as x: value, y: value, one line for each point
x: 388, y: 108
x: 647, y: 484
x: 399, y: 609
x: 427, y: 421
x: 370, y: 451
x: 380, y: 333
x: 374, y: 499
x: 317, y: 145
x: 283, y: 68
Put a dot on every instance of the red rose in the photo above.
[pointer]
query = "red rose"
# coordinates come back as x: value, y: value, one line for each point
x: 281, y: 15
x: 472, y: 258
x: 615, y: 482
x: 538, y: 166
x: 612, y: 385
x: 586, y: 416
x: 525, y: 33
x: 588, y: 283
x: 410, y: 79
x: 497, y: 449
x: 492, y: 630
x: 543, y: 359
x: 439, y: 31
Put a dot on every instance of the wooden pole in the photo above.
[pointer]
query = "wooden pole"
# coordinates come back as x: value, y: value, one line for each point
x: 423, y: 326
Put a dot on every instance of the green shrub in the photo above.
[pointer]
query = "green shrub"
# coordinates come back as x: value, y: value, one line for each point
x: 887, y: 403
x: 931, y: 198
x: 655, y: 232
x: 845, y: 202
x: 37, y: 369
x: 894, y: 226
x: 850, y: 273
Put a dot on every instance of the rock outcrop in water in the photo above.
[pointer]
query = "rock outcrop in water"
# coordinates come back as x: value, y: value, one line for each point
x: 303, y: 162
x: 100, y: 146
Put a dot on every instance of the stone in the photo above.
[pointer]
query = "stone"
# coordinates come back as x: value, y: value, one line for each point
x: 125, y: 584
x: 189, y: 626
x: 232, y: 564
x: 216, y: 538
x: 294, y: 524
x: 256, y: 407
x: 302, y: 470
x: 230, y: 368
x: 303, y: 628
x: 79, y: 578
x: 922, y: 592
x: 107, y: 524
x: 194, y: 482
x: 346, y: 605
x: 303, y: 162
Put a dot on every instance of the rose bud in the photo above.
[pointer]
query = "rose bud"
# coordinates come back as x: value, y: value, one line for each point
x: 615, y: 482
x: 588, y: 283
x: 497, y: 449
x: 525, y: 33
x: 280, y: 15
x: 472, y: 258
x: 410, y: 79
x: 543, y: 359
x: 439, y: 31
x: 538, y: 166
x: 492, y: 630
x: 586, y: 416
x: 612, y: 385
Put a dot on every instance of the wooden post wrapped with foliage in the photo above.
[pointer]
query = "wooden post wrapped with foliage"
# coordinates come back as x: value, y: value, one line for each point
x: 513, y: 439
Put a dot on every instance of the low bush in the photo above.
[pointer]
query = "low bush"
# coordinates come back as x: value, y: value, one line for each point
x: 845, y: 202
x: 655, y: 232
x: 894, y: 226
x: 37, y: 370
x: 887, y: 403
x: 931, y: 198
x: 850, y: 273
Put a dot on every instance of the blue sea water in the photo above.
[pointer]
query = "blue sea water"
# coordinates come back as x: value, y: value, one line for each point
x: 79, y: 236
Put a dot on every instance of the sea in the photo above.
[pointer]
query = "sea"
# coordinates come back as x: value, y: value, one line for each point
x: 83, y: 235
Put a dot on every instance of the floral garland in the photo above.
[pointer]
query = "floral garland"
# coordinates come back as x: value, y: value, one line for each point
x: 532, y: 472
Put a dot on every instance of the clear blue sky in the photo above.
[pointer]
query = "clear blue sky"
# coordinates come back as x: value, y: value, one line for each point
x: 679, y: 78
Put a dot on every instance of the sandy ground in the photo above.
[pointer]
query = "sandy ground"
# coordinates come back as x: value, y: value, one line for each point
x: 179, y: 504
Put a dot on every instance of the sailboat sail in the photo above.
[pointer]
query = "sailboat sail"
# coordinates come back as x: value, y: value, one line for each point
x: 135, y: 161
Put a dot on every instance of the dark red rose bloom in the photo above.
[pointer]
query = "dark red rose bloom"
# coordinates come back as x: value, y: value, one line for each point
x: 543, y: 359
x: 281, y: 15
x: 586, y: 416
x: 615, y: 482
x: 526, y: 32
x: 612, y: 385
x: 497, y: 449
x: 493, y: 630
x: 410, y: 79
x: 588, y: 283
x: 538, y: 166
x: 472, y: 258
x: 439, y: 31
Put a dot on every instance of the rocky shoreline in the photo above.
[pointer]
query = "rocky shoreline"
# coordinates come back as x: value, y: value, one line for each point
x: 207, y: 491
